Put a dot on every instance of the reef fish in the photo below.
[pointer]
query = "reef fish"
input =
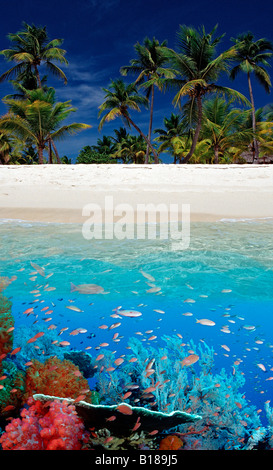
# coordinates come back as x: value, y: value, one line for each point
x: 38, y: 268
x: 189, y: 360
x: 86, y: 288
x: 130, y: 313
x: 205, y: 321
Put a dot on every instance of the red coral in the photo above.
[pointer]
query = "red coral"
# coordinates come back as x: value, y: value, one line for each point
x: 56, y: 378
x: 56, y: 428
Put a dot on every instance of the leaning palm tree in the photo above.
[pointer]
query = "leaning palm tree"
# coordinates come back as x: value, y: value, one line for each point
x: 150, y: 65
x: 31, y: 48
x: 118, y: 100
x: 252, y: 58
x: 198, y: 69
x: 38, y: 119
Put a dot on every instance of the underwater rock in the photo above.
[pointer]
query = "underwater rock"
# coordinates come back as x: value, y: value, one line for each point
x: 97, y: 416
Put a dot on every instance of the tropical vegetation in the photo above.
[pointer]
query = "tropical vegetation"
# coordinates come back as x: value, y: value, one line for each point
x: 210, y: 123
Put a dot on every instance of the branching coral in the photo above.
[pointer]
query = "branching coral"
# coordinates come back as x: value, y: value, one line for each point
x: 58, y: 428
x: 56, y: 377
x: 160, y: 379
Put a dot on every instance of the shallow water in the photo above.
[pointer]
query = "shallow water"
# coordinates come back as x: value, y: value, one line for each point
x: 231, y: 256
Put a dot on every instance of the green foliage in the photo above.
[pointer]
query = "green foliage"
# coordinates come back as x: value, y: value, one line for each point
x: 88, y: 156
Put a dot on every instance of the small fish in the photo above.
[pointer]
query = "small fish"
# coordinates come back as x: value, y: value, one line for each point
x: 125, y: 409
x: 130, y: 313
x: 119, y: 361
x: 64, y: 343
x: 86, y: 288
x: 74, y: 308
x: 189, y: 360
x: 189, y: 301
x: 148, y: 276
x: 205, y: 321
x: 262, y: 367
x: 38, y: 268
x: 226, y: 291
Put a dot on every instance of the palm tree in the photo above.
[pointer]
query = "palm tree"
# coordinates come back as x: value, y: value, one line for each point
x: 170, y: 136
x: 131, y: 149
x: 104, y: 145
x: 38, y: 119
x: 118, y: 100
x: 252, y: 57
x: 197, y: 72
x: 149, y: 65
x: 31, y: 48
x: 222, y: 127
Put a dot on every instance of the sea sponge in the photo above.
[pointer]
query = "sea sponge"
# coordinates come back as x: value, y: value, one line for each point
x: 58, y: 378
x: 170, y: 442
x: 40, y: 428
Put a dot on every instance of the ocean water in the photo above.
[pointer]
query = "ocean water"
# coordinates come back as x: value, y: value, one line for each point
x: 225, y: 275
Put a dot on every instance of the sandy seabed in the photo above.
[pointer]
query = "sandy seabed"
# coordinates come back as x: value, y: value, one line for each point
x: 59, y: 193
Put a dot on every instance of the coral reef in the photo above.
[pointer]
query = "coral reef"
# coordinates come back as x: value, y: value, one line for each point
x: 40, y: 428
x: 158, y: 378
x: 42, y: 349
x: 12, y: 388
x: 56, y: 377
x: 83, y: 360
x: 6, y: 327
x: 125, y: 416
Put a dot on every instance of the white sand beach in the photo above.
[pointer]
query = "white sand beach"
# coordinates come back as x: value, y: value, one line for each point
x: 58, y: 193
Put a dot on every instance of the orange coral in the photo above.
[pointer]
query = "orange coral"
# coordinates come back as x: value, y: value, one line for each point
x: 57, y: 378
x: 170, y: 443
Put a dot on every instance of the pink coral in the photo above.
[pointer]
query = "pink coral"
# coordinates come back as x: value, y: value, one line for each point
x: 40, y: 428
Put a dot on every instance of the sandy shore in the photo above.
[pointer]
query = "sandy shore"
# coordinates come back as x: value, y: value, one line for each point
x: 58, y: 193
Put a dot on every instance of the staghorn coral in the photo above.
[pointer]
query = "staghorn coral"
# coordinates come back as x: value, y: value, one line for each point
x: 40, y: 428
x: 56, y: 377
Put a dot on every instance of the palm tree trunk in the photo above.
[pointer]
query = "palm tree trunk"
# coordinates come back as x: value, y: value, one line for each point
x: 38, y: 76
x: 40, y: 155
x: 144, y: 137
x: 49, y: 153
x: 150, y: 125
x: 216, y: 154
x: 253, y: 116
x: 197, y: 130
x: 55, y: 150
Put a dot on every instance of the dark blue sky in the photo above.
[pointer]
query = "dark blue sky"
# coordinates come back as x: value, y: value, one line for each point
x: 99, y: 37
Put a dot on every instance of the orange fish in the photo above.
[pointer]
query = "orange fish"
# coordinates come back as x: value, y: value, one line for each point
x: 189, y: 360
x: 125, y: 409
x: 15, y: 351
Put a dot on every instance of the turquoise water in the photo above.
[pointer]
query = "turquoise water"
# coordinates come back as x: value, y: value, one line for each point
x: 226, y: 276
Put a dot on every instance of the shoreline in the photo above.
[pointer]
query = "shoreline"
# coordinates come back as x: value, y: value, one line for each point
x: 58, y: 193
